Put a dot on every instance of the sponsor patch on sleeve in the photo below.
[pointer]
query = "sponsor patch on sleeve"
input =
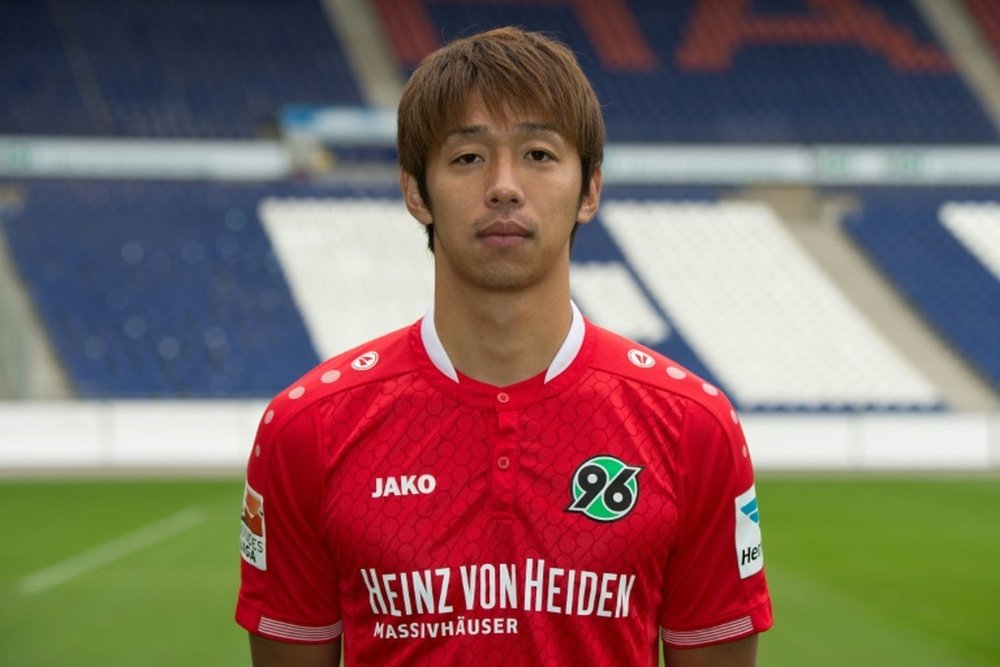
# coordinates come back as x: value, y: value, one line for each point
x: 749, y: 552
x: 252, y: 529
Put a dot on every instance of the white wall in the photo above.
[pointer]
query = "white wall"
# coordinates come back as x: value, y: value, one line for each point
x: 873, y: 442
x: 217, y: 435
x: 127, y: 434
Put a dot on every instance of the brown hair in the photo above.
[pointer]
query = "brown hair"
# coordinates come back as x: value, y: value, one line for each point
x: 512, y: 70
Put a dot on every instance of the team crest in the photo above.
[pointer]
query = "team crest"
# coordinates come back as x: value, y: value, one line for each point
x: 604, y: 488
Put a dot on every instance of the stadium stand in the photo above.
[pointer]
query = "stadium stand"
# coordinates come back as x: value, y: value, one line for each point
x: 158, y: 289
x: 799, y: 343
x: 363, y: 242
x: 37, y: 91
x: 191, y: 69
x: 212, y: 289
x: 200, y: 290
x: 986, y: 15
x: 772, y: 71
x: 939, y: 247
x: 806, y: 71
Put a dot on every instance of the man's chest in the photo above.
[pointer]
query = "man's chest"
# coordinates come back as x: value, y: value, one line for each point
x: 486, y: 495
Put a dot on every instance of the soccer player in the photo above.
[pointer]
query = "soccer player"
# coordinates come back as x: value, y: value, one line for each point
x: 503, y: 482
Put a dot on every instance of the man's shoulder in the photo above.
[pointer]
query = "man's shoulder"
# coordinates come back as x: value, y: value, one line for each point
x: 634, y: 362
x: 374, y: 361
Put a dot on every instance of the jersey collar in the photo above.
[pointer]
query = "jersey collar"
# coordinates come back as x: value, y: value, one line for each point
x: 564, y: 357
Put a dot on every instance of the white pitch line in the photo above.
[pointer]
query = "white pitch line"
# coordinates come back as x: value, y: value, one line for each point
x: 111, y: 551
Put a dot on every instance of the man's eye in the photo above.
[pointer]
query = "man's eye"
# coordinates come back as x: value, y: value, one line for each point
x: 468, y: 158
x: 539, y: 155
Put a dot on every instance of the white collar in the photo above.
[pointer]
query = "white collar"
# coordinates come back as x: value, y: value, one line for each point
x: 564, y: 357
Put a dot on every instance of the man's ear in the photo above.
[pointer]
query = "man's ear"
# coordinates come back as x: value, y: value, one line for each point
x: 591, y: 199
x: 415, y: 203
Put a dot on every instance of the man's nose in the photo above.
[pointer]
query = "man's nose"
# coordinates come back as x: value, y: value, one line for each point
x: 504, y: 186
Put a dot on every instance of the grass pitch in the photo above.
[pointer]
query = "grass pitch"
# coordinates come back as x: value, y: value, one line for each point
x: 863, y: 571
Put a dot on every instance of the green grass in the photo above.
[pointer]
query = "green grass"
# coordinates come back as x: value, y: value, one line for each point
x: 863, y: 571
x: 169, y: 604
x: 882, y: 571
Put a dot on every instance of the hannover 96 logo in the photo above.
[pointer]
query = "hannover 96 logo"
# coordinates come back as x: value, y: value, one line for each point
x: 604, y: 488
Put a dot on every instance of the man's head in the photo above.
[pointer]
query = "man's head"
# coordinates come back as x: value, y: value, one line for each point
x: 511, y: 71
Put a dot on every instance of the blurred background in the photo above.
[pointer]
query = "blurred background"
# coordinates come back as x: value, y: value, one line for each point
x: 198, y: 202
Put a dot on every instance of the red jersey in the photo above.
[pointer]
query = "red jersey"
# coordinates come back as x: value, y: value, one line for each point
x: 570, y: 519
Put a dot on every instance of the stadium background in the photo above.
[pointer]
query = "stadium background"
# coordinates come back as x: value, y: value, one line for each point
x: 198, y: 202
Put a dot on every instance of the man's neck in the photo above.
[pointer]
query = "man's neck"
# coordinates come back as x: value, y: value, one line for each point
x: 502, y: 339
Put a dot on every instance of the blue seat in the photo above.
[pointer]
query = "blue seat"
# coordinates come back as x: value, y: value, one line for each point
x: 787, y: 88
x: 159, y: 289
x: 222, y: 69
x: 902, y: 231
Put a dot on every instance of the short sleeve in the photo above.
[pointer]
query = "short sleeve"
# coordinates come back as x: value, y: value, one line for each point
x: 715, y: 584
x: 288, y: 588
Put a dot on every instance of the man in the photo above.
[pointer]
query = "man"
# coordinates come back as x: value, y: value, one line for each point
x: 502, y: 483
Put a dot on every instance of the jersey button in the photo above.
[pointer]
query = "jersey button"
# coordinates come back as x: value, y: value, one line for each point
x: 503, y: 463
x: 503, y: 397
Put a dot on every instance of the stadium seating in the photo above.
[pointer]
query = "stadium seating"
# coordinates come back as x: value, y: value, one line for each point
x: 159, y: 289
x: 185, y: 289
x: 798, y: 71
x: 37, y: 90
x: 190, y: 69
x: 985, y: 14
x: 771, y: 327
x: 940, y: 248
x: 215, y: 289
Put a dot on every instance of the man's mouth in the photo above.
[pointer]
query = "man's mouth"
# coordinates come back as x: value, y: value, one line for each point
x: 503, y: 233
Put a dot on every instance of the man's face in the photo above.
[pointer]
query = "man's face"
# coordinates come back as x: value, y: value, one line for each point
x: 504, y: 198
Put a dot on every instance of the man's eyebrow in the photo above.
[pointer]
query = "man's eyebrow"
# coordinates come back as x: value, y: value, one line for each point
x: 465, y: 131
x: 534, y: 127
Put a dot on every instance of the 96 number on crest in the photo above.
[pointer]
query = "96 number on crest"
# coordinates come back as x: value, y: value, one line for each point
x: 604, y: 488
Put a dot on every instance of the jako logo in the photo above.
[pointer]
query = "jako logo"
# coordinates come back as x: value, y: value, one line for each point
x: 404, y: 485
x: 641, y: 359
x: 366, y: 361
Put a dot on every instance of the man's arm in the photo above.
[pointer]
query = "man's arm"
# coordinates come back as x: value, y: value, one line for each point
x: 740, y: 653
x: 269, y: 653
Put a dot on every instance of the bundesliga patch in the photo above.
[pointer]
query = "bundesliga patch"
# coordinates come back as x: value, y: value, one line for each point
x: 604, y: 488
x: 749, y: 552
x: 252, y: 529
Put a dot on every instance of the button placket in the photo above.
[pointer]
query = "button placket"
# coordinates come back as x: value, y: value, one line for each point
x: 505, y: 459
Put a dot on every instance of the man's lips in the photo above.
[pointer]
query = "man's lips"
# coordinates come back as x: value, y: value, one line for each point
x: 503, y: 234
x: 504, y: 229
